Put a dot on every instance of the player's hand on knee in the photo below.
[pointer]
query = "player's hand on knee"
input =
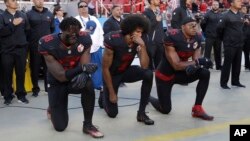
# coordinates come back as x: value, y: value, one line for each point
x: 204, y: 62
x: 80, y: 81
x: 191, y: 69
x: 89, y: 68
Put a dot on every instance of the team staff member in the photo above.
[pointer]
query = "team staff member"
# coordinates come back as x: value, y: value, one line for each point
x: 181, y: 12
x: 175, y: 68
x: 156, y: 33
x: 230, y: 30
x: 209, y: 24
x: 1, y: 74
x: 67, y: 56
x: 13, y: 28
x: 114, y: 21
x: 246, y: 30
x: 42, y: 23
x: 120, y: 50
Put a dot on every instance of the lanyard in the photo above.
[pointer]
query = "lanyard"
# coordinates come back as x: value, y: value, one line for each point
x: 83, y: 22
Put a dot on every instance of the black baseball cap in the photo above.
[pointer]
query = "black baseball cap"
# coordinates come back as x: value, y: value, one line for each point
x: 187, y: 20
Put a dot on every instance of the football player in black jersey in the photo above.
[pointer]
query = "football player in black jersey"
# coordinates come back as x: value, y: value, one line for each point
x: 67, y: 57
x: 177, y: 68
x: 121, y: 48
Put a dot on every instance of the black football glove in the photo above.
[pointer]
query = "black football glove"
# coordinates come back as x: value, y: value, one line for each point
x: 191, y: 69
x: 80, y: 81
x: 204, y: 62
x: 89, y: 68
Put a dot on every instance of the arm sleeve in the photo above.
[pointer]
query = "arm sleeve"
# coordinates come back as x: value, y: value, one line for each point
x: 168, y: 39
x: 45, y: 45
x: 108, y: 41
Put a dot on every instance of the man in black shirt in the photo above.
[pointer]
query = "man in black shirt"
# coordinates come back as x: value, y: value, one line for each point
x: 230, y: 30
x: 13, y: 28
x: 113, y: 22
x: 67, y: 57
x: 120, y: 50
x: 42, y: 23
x: 1, y: 74
x: 175, y: 68
x: 156, y: 33
x: 209, y: 24
x: 181, y: 12
x: 246, y: 30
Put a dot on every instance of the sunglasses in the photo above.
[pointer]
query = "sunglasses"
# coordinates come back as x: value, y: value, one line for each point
x: 81, y: 6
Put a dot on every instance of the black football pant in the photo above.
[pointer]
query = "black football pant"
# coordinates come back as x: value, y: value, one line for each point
x: 1, y: 76
x: 232, y: 60
x: 58, y: 103
x: 36, y: 62
x: 164, y: 88
x: 155, y: 53
x: 246, y: 50
x: 132, y: 74
x: 216, y: 44
x: 15, y: 59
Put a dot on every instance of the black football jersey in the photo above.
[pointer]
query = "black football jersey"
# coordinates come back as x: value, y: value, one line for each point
x: 67, y: 56
x: 123, y: 54
x: 184, y: 48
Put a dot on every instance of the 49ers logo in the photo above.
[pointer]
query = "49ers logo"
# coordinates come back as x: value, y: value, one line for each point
x: 195, y: 45
x: 48, y: 38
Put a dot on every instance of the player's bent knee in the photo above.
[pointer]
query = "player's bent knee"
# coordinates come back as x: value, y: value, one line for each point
x: 112, y: 114
x: 166, y: 110
x: 60, y: 128
x: 59, y: 125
